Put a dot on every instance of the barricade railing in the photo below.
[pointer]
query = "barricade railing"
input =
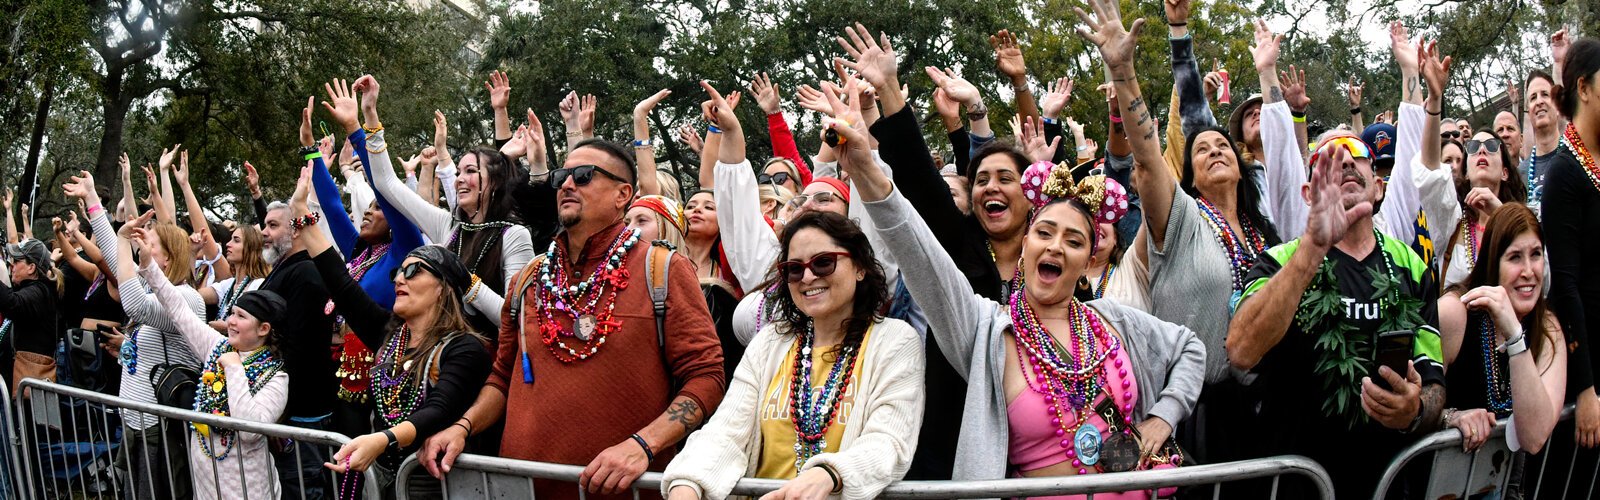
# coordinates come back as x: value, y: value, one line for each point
x: 506, y: 478
x: 12, y: 480
x: 71, y: 444
x: 1488, y: 468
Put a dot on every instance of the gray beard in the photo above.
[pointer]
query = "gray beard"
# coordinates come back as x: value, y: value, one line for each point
x: 275, y: 250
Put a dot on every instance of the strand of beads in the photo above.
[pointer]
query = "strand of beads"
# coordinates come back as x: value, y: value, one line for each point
x: 1070, y: 381
x: 211, y: 395
x: 592, y: 299
x: 813, y: 412
x: 1241, y: 254
x: 1581, y: 151
x: 1494, y: 370
x: 396, y: 392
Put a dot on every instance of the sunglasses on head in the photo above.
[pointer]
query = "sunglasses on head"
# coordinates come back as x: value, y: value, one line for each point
x: 1450, y: 135
x: 409, y: 271
x: 822, y: 265
x: 581, y: 175
x: 1492, y: 145
x: 778, y: 178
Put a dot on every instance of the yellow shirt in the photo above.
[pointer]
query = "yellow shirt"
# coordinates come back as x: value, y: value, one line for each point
x: 777, y: 428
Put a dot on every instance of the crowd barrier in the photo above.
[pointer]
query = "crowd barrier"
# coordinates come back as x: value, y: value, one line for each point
x: 69, y: 443
x: 1489, y: 470
x: 475, y: 477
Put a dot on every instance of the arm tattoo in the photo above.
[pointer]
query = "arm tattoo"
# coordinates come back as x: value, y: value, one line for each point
x: 686, y: 412
x: 1432, y: 406
x: 1412, y: 86
x: 1274, y: 94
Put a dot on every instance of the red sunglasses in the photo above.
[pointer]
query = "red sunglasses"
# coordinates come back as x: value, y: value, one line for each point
x: 822, y: 265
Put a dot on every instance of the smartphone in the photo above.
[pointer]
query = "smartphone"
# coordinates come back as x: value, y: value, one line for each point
x: 1394, y: 351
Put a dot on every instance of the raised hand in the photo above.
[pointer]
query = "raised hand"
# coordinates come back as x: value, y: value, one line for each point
x: 948, y: 108
x: 1008, y: 55
x: 873, y: 59
x: 569, y: 111
x: 124, y: 165
x: 325, y: 146
x: 367, y: 86
x: 429, y: 157
x: 181, y: 174
x: 642, y: 110
x: 441, y: 132
x: 7, y: 198
x: 766, y: 94
x: 167, y: 155
x: 410, y: 164
x: 1329, y: 220
x: 845, y: 122
x: 1514, y: 93
x: 517, y: 147
x: 955, y: 87
x: 306, y: 138
x: 1294, y: 88
x: 81, y: 186
x: 1105, y: 31
x: 812, y: 99
x: 687, y: 135
x: 499, y: 87
x: 1267, y: 46
x: 1055, y: 99
x: 534, y: 144
x: 1434, y: 71
x: 1033, y: 141
x: 1177, y: 12
x: 1405, y: 53
x: 719, y: 110
x: 1354, y: 94
x: 1213, y: 78
x: 341, y: 104
x: 586, y: 109
x: 1559, y: 43
x: 252, y: 180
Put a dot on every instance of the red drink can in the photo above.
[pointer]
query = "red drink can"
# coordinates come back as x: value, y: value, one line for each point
x: 1224, y: 94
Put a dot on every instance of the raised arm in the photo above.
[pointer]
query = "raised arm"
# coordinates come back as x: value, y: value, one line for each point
x: 712, y: 150
x: 778, y: 132
x: 11, y: 217
x: 1353, y: 93
x: 169, y: 203
x: 644, y: 146
x: 499, y: 87
x: 196, y: 333
x: 210, y: 251
x: 1008, y: 58
x: 433, y: 221
x: 1193, y: 106
x: 1282, y: 150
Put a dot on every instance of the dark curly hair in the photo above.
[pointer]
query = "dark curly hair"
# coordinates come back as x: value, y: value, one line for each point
x: 1247, y: 193
x: 872, y: 292
x: 501, y: 178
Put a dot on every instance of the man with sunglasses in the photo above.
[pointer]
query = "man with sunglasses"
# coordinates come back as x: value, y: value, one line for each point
x: 1340, y: 258
x: 614, y: 398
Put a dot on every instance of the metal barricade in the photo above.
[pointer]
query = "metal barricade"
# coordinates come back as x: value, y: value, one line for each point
x: 500, y: 478
x: 71, y: 444
x: 1488, y: 468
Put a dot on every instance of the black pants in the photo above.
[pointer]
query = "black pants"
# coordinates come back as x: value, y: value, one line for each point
x: 305, y: 467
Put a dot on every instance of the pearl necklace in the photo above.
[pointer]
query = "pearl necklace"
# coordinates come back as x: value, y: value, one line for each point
x: 591, y: 300
x: 1574, y: 143
x: 1497, y: 384
x: 211, y: 394
x: 812, y: 412
x: 1241, y: 254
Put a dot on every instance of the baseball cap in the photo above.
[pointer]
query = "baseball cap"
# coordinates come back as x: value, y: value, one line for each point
x: 31, y: 249
x: 1380, y: 138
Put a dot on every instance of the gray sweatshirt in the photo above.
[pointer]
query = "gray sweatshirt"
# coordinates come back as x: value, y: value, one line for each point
x: 1168, y: 360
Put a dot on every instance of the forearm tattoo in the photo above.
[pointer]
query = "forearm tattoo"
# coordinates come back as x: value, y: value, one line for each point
x: 1142, y: 112
x: 1432, y: 406
x: 685, y: 413
x: 1274, y: 94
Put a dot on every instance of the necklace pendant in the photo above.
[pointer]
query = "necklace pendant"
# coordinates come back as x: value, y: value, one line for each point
x: 407, y: 365
x: 1087, y: 442
x: 584, y: 327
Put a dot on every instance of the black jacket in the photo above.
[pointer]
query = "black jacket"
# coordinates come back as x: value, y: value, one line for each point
x: 306, y: 335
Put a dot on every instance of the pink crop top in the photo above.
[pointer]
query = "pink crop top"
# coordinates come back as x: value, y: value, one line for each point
x: 1037, y: 437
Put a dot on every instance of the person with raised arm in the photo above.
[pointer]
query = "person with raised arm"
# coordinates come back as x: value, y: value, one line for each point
x: 241, y: 376
x: 591, y: 357
x: 483, y: 230
x: 786, y: 158
x: 151, y: 344
x: 1025, y: 413
x: 209, y: 265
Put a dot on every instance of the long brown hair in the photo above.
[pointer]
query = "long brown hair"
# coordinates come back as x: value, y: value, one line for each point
x: 251, y: 263
x: 1505, y: 225
x: 452, y: 319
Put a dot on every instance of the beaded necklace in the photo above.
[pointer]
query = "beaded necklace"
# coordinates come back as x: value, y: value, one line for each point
x: 1069, y: 377
x: 1498, y: 384
x: 396, y: 392
x: 1242, y: 253
x: 1105, y: 279
x: 1574, y: 143
x: 456, y: 242
x: 366, y: 259
x: 228, y: 299
x: 1470, y: 231
x: 1533, y: 166
x: 589, y: 301
x: 211, y: 394
x: 812, y: 412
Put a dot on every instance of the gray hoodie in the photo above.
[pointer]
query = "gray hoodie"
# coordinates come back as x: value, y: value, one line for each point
x: 1168, y: 360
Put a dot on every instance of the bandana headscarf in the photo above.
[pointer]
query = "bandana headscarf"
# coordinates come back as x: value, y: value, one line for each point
x: 839, y: 185
x: 267, y: 306
x: 663, y: 206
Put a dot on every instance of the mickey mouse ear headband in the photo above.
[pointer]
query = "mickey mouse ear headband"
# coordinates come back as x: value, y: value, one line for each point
x: 1044, y: 182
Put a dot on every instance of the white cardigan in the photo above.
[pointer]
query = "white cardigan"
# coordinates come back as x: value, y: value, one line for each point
x: 879, y: 436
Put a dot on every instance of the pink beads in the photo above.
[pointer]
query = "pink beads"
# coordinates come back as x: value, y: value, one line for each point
x: 1065, y: 443
x: 1055, y: 421
x: 1061, y: 432
x: 1081, y: 471
x: 1077, y: 463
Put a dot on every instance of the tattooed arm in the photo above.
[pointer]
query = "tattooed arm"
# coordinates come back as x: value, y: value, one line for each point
x: 1432, y: 407
x: 1405, y: 55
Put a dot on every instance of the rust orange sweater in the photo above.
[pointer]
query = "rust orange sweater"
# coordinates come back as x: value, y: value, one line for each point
x: 572, y: 412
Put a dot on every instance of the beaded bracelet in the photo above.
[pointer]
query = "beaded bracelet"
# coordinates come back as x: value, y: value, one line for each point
x: 310, y: 219
x: 472, y: 293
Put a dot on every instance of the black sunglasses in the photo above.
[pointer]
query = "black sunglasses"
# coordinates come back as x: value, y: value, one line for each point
x: 822, y: 265
x: 409, y: 271
x: 581, y: 175
x: 1493, y: 145
x: 1450, y: 135
x: 778, y: 178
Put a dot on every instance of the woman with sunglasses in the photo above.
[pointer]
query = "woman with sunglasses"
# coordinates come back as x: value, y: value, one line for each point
x: 1063, y: 383
x: 830, y: 395
x: 1504, y: 349
x: 483, y: 230
x: 781, y: 172
x: 430, y: 363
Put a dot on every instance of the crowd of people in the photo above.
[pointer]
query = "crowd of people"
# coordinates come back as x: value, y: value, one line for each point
x: 1199, y: 292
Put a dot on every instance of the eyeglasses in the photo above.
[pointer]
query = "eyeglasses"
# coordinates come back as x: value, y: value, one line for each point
x: 1357, y: 148
x: 581, y: 175
x: 778, y: 178
x: 409, y: 271
x: 819, y: 197
x: 1493, y: 145
x: 822, y: 265
x: 1450, y: 135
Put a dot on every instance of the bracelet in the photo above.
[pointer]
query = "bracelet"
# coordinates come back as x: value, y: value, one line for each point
x: 372, y: 130
x: 1515, y: 339
x: 650, y: 456
x: 1185, y: 23
x: 310, y: 219
x: 1434, y: 113
x: 1297, y: 113
x: 472, y: 294
x: 1355, y: 111
x: 313, y: 155
x: 1516, y: 348
x: 1116, y: 119
x: 1298, y: 118
x: 1052, y: 121
x: 469, y: 425
x: 392, y: 440
x: 977, y: 112
x: 838, y: 485
x: 463, y: 427
x: 97, y: 208
x: 646, y: 143
x: 712, y: 129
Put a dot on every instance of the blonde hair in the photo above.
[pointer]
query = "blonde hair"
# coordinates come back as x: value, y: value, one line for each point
x: 778, y: 194
x: 667, y: 231
x: 251, y: 262
x: 669, y: 186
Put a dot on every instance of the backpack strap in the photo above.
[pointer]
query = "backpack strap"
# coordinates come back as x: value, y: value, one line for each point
x: 519, y: 289
x: 657, y: 266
